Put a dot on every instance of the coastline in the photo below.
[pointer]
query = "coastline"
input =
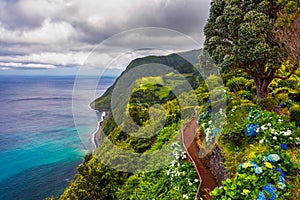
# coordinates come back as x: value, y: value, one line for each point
x: 95, y: 139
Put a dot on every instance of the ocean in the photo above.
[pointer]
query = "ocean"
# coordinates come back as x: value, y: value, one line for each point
x: 40, y: 146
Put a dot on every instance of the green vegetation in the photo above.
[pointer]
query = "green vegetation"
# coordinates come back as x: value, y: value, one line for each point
x: 260, y: 178
x: 177, y: 62
x: 248, y: 137
x: 295, y: 114
x: 260, y: 144
x: 258, y: 132
x: 176, y: 180
x: 240, y: 35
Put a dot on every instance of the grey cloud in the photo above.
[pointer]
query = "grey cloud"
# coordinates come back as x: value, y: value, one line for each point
x: 73, y: 27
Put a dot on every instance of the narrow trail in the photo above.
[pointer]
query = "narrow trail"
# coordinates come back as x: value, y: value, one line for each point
x: 207, y: 180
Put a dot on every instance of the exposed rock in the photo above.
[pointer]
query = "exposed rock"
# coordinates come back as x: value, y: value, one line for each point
x: 214, y: 161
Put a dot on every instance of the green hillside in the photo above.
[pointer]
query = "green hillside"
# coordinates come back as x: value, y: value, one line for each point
x: 183, y: 63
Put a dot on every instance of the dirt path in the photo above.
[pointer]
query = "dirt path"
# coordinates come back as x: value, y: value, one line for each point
x: 208, y: 182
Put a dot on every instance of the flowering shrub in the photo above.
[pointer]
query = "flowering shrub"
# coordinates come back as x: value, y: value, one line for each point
x: 211, y: 123
x: 178, y: 180
x: 270, y: 128
x: 179, y: 172
x: 262, y: 178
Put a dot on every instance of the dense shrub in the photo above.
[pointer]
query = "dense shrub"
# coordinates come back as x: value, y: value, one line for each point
x: 246, y: 94
x: 232, y: 131
x: 108, y: 125
x: 250, y: 85
x: 292, y: 84
x: 295, y: 114
x: 270, y: 128
x: 94, y: 181
x: 273, y: 85
x: 263, y: 177
x: 281, y: 90
x: 237, y: 84
x: 268, y: 103
x: 294, y: 96
x: 214, y: 81
x: 178, y: 180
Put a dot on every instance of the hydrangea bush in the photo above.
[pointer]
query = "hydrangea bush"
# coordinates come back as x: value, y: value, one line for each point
x: 211, y: 123
x: 262, y: 178
x: 178, y: 180
x: 179, y: 172
x: 270, y: 128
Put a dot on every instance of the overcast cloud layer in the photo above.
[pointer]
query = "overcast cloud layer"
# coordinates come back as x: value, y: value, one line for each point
x: 47, y: 34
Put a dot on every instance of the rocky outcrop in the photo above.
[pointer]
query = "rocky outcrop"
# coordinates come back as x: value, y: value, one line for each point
x: 215, y: 162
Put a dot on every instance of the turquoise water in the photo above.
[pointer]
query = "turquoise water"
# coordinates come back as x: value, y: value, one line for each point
x: 39, y: 143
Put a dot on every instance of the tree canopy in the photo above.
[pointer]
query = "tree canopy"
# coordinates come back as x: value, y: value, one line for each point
x: 240, y: 34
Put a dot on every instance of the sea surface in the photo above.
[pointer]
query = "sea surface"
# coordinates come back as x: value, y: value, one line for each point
x: 40, y: 146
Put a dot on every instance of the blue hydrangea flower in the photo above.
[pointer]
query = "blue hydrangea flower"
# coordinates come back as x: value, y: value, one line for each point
x: 273, y: 157
x: 282, y: 104
x: 251, y: 129
x: 282, y: 179
x: 258, y: 170
x: 280, y: 171
x: 240, y: 167
x: 284, y: 146
x: 261, y: 196
x: 269, y: 188
x: 265, y: 158
x: 254, y: 164
x: 217, y: 131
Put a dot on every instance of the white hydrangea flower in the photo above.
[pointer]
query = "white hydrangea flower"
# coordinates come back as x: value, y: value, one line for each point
x: 173, y: 163
x: 168, y: 172
x: 269, y: 124
x: 287, y: 133
x: 297, y: 141
x: 263, y: 127
x: 272, y: 130
x: 261, y: 141
x: 185, y: 196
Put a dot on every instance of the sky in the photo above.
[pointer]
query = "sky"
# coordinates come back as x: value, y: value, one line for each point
x: 65, y: 37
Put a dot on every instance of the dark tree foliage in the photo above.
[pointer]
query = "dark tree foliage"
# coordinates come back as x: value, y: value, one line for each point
x: 239, y: 34
x: 95, y: 181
